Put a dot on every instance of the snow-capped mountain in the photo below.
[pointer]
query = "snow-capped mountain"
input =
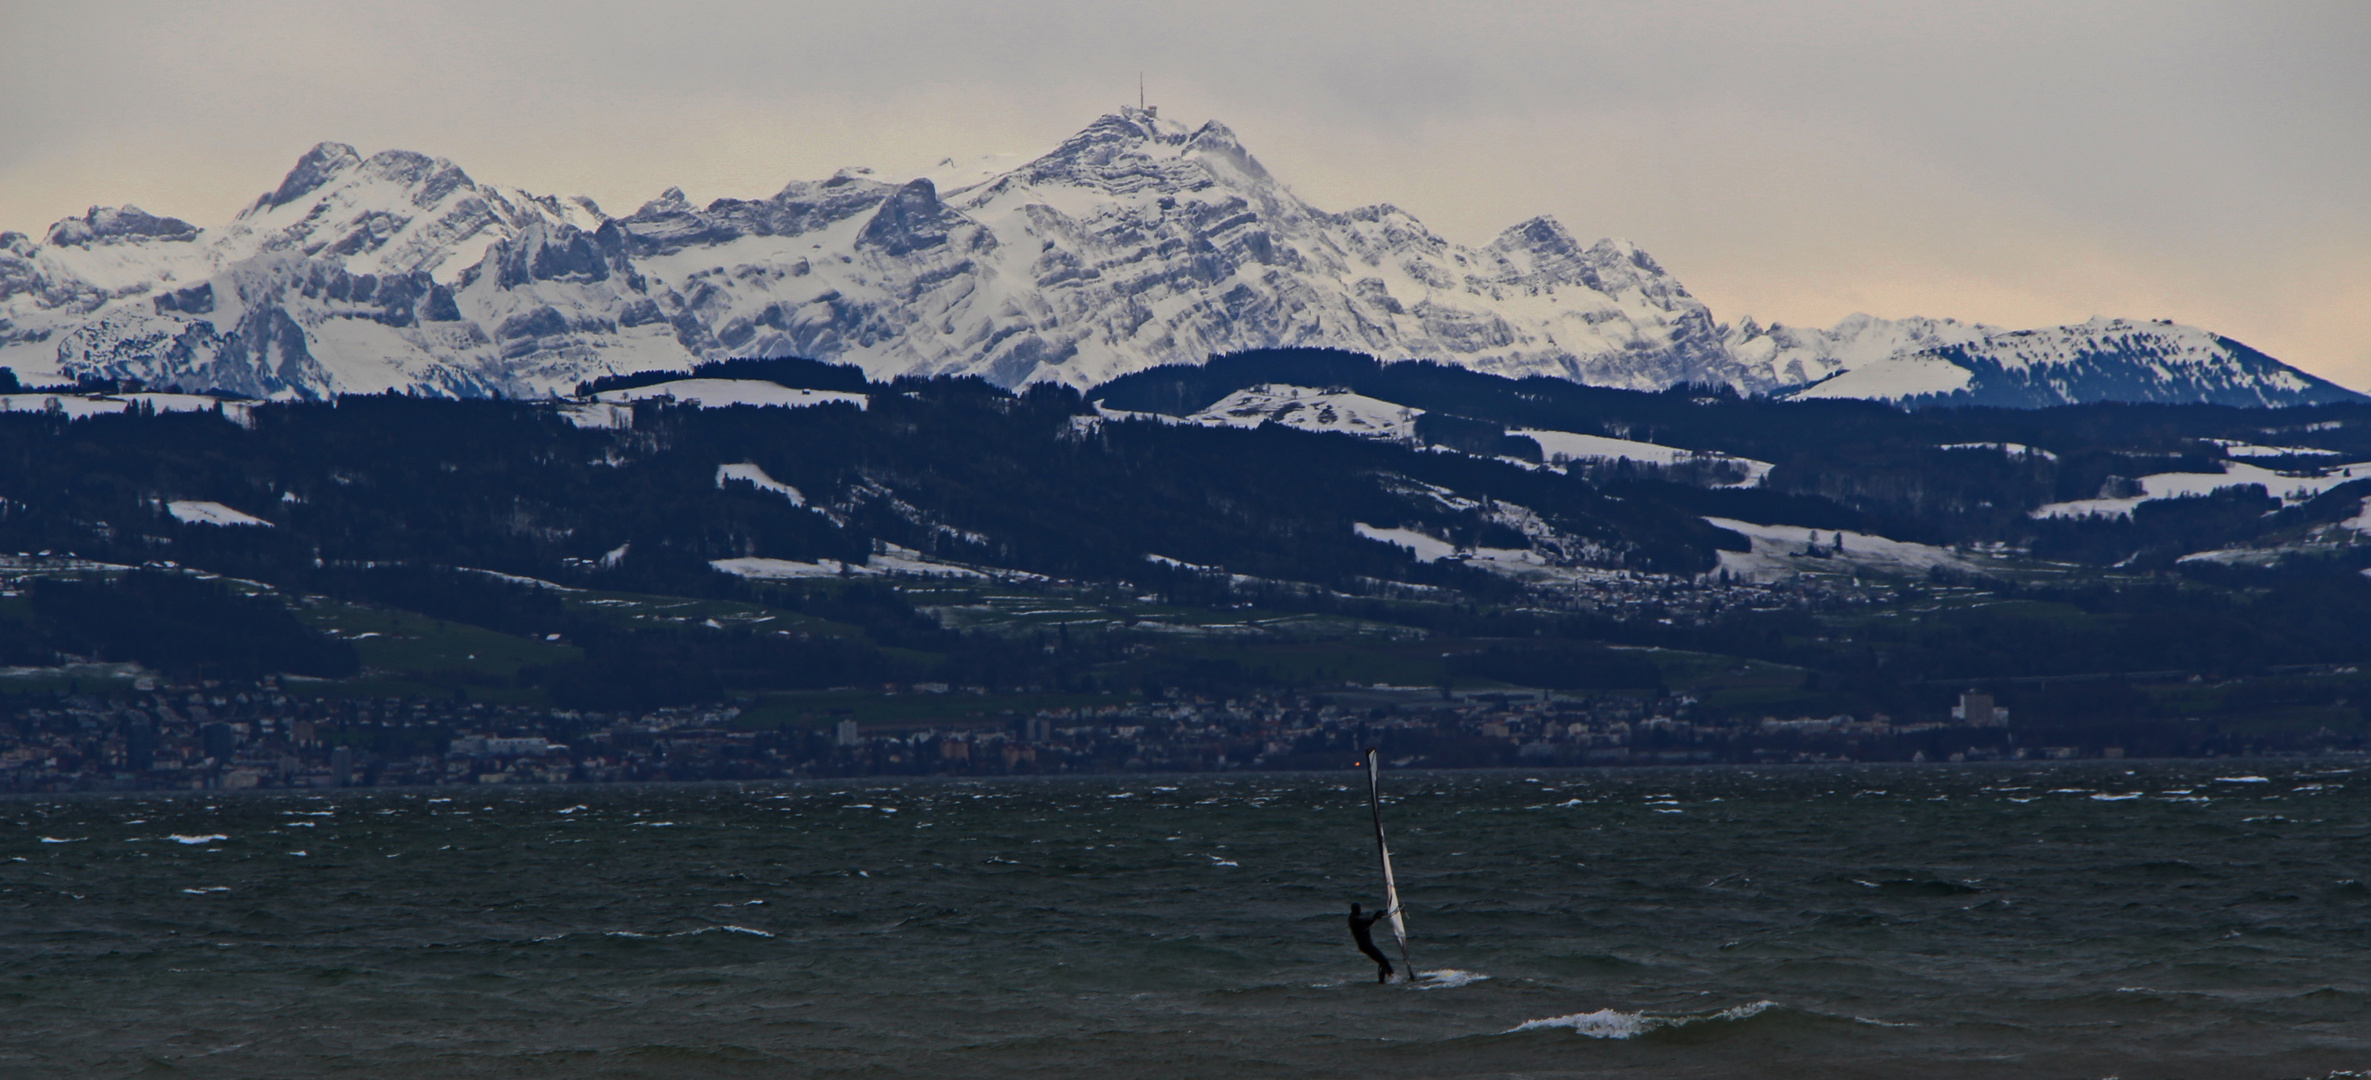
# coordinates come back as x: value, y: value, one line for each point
x: 336, y: 281
x: 1137, y: 242
x: 2100, y: 360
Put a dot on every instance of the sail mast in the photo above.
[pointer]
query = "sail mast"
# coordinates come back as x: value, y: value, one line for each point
x: 1391, y: 887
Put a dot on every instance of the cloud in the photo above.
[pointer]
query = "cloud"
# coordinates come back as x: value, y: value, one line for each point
x: 2016, y: 163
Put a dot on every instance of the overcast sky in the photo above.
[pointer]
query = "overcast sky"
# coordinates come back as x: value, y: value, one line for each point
x: 2018, y: 164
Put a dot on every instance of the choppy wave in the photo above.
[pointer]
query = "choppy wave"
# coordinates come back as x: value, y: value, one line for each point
x: 1615, y: 1024
x: 1042, y: 928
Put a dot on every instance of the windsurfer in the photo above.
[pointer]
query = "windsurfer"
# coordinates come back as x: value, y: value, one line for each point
x: 1362, y: 929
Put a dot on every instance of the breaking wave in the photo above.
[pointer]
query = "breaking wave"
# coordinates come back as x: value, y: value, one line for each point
x: 1614, y: 1024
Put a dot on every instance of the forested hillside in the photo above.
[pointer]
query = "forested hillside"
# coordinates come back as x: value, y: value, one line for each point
x: 608, y: 553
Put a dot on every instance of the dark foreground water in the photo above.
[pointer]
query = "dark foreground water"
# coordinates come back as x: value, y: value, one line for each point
x: 2153, y: 921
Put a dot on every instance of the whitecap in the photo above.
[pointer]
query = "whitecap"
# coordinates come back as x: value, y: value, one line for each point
x: 2104, y: 797
x: 1447, y: 979
x: 1614, y: 1024
x: 724, y: 929
x: 208, y: 839
x: 2241, y: 780
x: 64, y: 840
x: 1221, y: 862
x: 207, y: 889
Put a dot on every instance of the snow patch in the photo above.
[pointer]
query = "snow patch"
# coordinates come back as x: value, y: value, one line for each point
x: 200, y: 512
x: 2287, y: 487
x: 750, y: 474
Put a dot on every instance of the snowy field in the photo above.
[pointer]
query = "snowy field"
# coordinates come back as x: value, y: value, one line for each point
x: 81, y: 406
x: 891, y: 560
x: 726, y: 393
x: 1783, y: 551
x: 1578, y: 447
x: 1311, y: 409
x: 2008, y: 449
x: 2291, y: 488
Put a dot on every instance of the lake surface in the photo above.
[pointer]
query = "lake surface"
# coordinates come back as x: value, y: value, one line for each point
x: 2133, y: 920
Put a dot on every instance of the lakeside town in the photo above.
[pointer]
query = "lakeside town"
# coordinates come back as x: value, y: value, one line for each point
x: 263, y: 736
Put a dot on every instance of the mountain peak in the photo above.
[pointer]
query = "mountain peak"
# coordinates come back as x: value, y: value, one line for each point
x: 670, y: 201
x: 109, y: 224
x: 1543, y: 235
x: 319, y: 164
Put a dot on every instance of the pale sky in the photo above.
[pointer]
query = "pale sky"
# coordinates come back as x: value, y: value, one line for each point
x: 2013, y: 163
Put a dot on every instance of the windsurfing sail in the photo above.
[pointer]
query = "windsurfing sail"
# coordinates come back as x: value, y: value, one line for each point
x: 1391, y: 885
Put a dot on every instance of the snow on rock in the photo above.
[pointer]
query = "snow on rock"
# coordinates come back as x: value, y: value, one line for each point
x: 2287, y: 487
x: 751, y: 474
x: 200, y: 512
x: 726, y: 393
x: 1785, y: 551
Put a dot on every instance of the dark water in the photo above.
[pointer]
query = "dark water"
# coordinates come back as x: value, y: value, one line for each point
x: 2152, y: 921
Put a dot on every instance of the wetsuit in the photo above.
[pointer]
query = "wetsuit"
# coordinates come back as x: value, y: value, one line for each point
x: 1362, y: 929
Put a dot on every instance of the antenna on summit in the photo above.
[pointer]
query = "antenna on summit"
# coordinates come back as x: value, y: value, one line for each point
x: 1140, y: 91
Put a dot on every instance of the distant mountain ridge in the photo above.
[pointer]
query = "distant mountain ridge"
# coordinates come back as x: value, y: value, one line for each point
x: 2100, y: 360
x: 1135, y: 243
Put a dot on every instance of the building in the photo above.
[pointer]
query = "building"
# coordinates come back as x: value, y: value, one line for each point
x: 1977, y: 710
